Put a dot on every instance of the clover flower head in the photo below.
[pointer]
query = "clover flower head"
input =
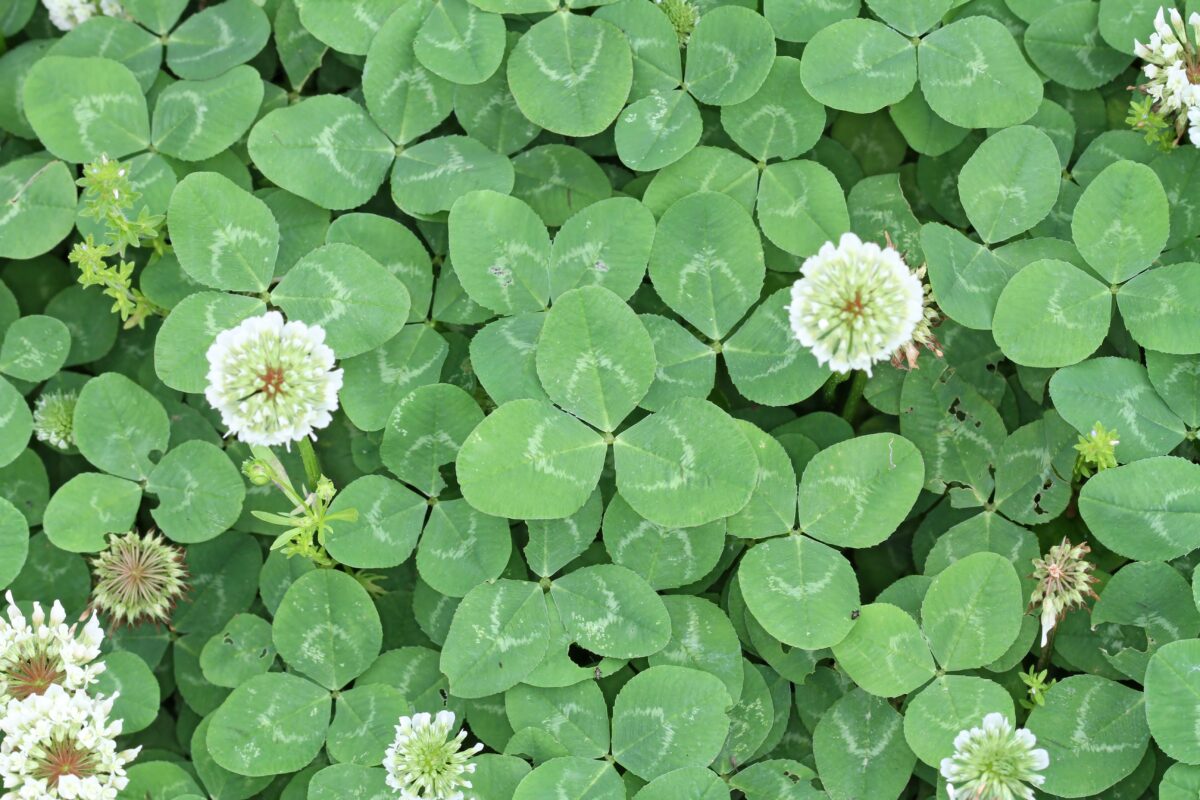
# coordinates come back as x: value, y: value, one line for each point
x: 54, y: 419
x: 273, y: 381
x: 427, y: 761
x: 1097, y: 451
x: 42, y: 651
x: 62, y: 744
x: 1172, y: 70
x: 683, y: 16
x: 1193, y: 118
x: 906, y: 354
x: 856, y: 304
x: 994, y: 762
x: 1064, y: 581
x: 139, y: 577
x: 67, y: 14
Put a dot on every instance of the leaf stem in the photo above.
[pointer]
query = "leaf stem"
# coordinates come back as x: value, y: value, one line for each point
x: 829, y: 390
x: 312, y: 467
x: 854, y: 399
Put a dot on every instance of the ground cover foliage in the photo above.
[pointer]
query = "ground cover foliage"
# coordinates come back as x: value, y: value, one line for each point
x: 576, y: 475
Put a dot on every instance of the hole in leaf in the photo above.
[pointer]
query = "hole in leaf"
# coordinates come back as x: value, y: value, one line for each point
x: 581, y: 657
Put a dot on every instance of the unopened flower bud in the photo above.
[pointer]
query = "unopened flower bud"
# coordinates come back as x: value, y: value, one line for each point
x: 256, y: 471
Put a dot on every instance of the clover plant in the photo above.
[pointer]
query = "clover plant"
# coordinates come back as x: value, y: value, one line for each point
x: 599, y: 399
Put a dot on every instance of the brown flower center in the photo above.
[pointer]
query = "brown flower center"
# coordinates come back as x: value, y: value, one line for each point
x: 33, y: 675
x: 62, y: 758
x: 272, y: 381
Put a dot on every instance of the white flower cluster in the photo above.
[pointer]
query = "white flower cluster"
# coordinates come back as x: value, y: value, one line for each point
x: 61, y: 744
x: 66, y: 14
x: 856, y: 304
x: 272, y: 381
x: 426, y: 761
x: 37, y: 653
x: 54, y: 419
x: 1172, y: 68
x: 994, y: 762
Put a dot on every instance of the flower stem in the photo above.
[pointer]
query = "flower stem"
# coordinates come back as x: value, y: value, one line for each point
x: 312, y: 467
x: 854, y: 399
x: 1048, y: 650
x: 829, y: 390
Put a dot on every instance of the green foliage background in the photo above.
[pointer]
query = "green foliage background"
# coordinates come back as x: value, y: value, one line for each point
x: 621, y: 527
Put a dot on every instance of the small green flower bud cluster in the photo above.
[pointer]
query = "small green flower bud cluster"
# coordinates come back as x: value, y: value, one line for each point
x: 307, y: 524
x: 107, y: 194
x: 1097, y: 451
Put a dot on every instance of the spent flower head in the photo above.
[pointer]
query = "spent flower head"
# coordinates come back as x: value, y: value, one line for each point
x: 273, y: 381
x: 1064, y: 581
x: 994, y: 762
x: 41, y: 651
x: 54, y: 419
x: 1172, y: 70
x: 426, y: 761
x: 62, y: 744
x: 856, y: 304
x: 906, y: 354
x: 139, y: 578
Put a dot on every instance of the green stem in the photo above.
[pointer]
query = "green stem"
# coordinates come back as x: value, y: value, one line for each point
x: 1047, y: 651
x: 829, y: 390
x: 850, y: 409
x: 312, y: 467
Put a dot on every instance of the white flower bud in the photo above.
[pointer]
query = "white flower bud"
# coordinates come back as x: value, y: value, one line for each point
x: 426, y: 761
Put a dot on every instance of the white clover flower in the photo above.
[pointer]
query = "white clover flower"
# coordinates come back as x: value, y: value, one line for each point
x: 1193, y: 117
x: 994, y: 762
x: 1172, y: 71
x: 54, y: 419
x: 66, y: 14
x: 1170, y: 61
x: 427, y: 762
x: 272, y: 381
x: 62, y: 744
x: 856, y: 304
x: 38, y: 653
